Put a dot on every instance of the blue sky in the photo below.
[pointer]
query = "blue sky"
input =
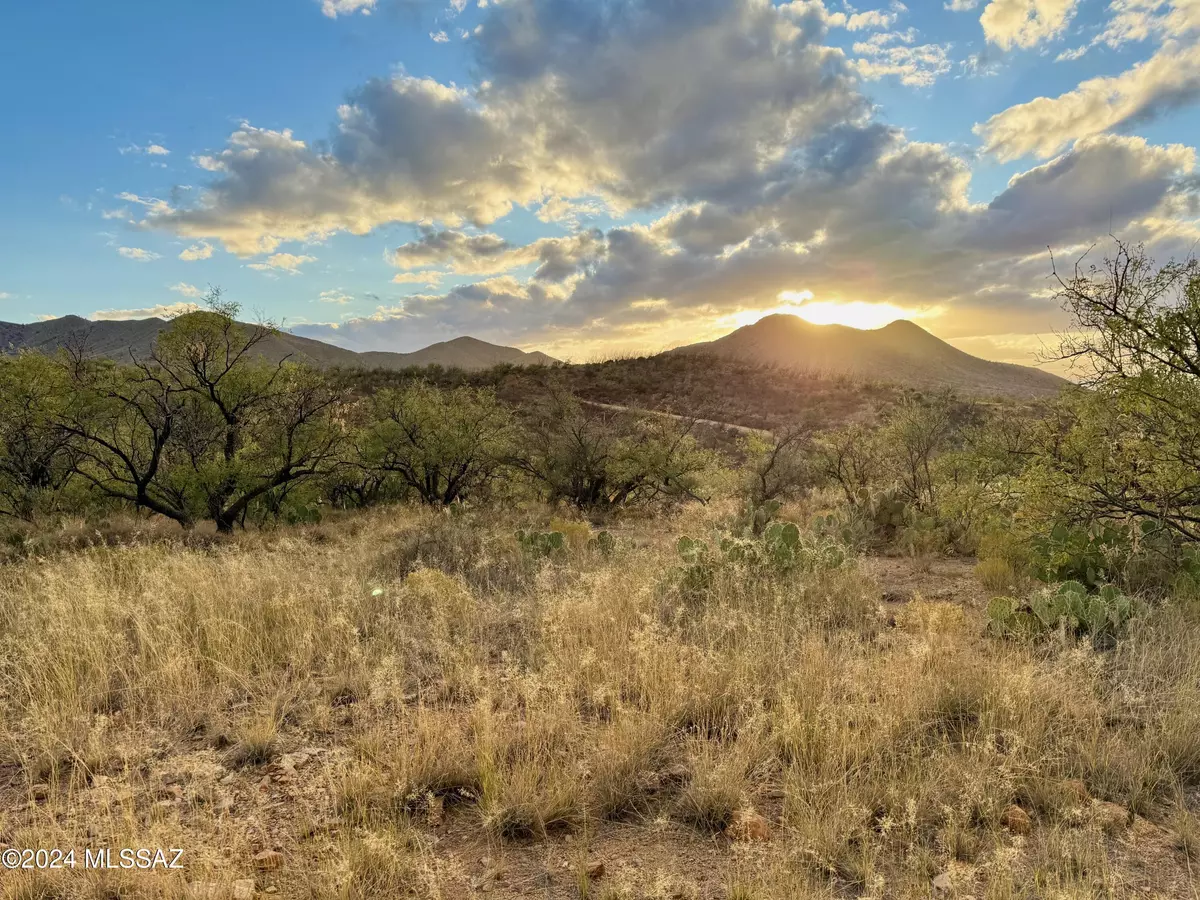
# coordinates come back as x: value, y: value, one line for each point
x: 588, y: 176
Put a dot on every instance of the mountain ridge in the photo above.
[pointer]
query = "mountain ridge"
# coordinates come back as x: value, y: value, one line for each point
x: 118, y: 339
x: 901, y: 351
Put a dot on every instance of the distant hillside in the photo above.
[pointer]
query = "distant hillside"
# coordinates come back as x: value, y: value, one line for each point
x: 116, y: 340
x: 902, y: 353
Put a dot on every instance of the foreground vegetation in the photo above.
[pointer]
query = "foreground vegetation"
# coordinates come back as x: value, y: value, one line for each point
x: 420, y: 641
x: 409, y: 704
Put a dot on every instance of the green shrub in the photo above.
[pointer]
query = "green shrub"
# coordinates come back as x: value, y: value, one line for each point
x: 1102, y: 616
x: 1093, y: 555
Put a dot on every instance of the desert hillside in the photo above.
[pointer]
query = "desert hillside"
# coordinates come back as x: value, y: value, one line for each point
x: 901, y: 352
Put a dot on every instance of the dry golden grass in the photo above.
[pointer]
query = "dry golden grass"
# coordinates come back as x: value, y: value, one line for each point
x: 403, y: 704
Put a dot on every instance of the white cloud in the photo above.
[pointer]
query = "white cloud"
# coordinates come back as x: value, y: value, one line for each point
x: 121, y: 214
x: 851, y: 19
x: 286, y: 262
x: 1133, y: 21
x: 1140, y: 20
x: 153, y: 205
x: 335, y: 8
x: 887, y: 54
x: 430, y: 279
x: 1169, y: 79
x: 1071, y: 55
x: 147, y: 150
x: 873, y: 216
x: 643, y: 107
x: 138, y: 254
x: 439, y: 37
x: 961, y: 5
x: 335, y: 296
x: 4, y: 295
x: 1025, y: 23
x: 188, y: 290
x: 568, y: 211
x: 489, y: 254
x: 201, y: 250
x: 162, y: 311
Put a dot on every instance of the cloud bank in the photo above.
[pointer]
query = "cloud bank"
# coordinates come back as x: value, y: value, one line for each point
x: 743, y: 153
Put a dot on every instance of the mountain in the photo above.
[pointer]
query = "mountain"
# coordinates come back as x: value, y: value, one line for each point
x: 116, y: 340
x: 900, y: 352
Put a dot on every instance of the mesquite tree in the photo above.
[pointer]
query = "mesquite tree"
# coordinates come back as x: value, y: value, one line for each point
x: 1128, y: 446
x: 205, y: 425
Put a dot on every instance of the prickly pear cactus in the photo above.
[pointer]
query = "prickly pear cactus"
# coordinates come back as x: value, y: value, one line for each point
x: 541, y: 544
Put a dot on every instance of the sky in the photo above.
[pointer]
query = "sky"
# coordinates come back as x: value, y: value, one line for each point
x: 591, y: 177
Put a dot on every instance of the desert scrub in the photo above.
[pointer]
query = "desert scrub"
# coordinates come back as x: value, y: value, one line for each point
x: 996, y: 574
x: 529, y: 781
x: 579, y: 706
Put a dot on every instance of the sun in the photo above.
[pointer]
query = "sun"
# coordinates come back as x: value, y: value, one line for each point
x: 856, y: 313
x: 853, y: 313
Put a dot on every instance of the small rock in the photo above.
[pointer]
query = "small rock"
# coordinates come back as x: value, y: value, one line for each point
x: 229, y: 779
x: 942, y: 885
x: 242, y: 889
x: 268, y: 860
x: 747, y: 825
x: 595, y: 871
x: 1016, y: 820
x: 265, y: 784
x: 272, y: 890
x: 293, y: 760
